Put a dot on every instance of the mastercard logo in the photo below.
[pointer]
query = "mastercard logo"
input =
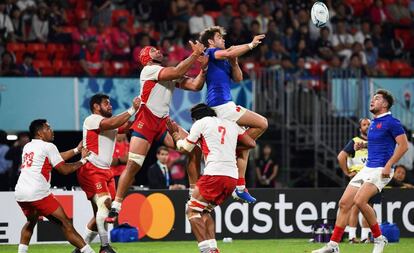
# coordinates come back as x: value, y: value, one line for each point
x: 153, y: 215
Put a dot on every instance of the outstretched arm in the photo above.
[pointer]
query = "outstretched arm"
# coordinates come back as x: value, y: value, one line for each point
x: 237, y: 74
x: 172, y: 73
x: 120, y: 119
x: 197, y: 83
x: 236, y: 51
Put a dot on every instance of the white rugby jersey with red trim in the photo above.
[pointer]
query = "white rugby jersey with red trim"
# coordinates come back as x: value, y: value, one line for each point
x: 156, y: 95
x: 38, y: 159
x: 218, y: 139
x: 100, y: 143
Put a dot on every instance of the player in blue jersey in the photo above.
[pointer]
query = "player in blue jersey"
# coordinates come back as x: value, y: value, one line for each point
x: 223, y: 69
x: 385, y: 132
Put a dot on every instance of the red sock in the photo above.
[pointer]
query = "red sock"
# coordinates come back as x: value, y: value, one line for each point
x: 376, y: 231
x: 337, y: 234
x: 241, y: 181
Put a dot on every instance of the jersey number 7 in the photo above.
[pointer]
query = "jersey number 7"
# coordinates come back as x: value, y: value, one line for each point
x: 222, y: 130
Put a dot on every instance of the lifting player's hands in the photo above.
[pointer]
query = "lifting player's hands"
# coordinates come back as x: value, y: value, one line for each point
x: 197, y: 47
x: 80, y: 146
x: 136, y: 102
x: 203, y: 60
x: 85, y: 153
x: 257, y: 40
x: 173, y: 129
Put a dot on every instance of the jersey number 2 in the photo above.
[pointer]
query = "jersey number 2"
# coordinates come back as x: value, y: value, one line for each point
x: 222, y: 130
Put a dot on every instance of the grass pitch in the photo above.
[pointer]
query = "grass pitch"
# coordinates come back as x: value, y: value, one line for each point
x: 406, y: 245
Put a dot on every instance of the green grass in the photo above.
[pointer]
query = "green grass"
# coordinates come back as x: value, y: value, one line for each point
x: 406, y: 245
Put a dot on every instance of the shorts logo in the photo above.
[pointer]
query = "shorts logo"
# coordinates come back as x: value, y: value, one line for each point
x: 98, y: 186
x: 140, y: 124
x: 238, y: 109
x: 379, y: 125
x: 153, y: 215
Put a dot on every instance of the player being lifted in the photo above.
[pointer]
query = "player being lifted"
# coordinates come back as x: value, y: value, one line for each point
x: 223, y: 69
x: 157, y: 86
x: 218, y: 139
x: 33, y: 187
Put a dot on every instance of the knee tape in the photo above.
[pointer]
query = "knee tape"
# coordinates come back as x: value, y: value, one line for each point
x: 136, y: 158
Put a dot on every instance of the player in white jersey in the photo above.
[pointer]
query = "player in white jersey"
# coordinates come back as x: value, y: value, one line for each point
x: 33, y: 187
x: 218, y: 139
x: 157, y: 86
x: 95, y: 177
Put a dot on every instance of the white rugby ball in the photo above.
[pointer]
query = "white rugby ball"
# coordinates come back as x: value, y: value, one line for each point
x: 319, y: 14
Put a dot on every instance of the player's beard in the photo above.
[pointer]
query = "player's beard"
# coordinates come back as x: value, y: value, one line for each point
x: 106, y: 114
x: 374, y: 110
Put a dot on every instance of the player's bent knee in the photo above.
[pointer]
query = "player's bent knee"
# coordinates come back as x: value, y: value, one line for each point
x: 102, y: 204
x: 136, y: 158
x: 192, y: 214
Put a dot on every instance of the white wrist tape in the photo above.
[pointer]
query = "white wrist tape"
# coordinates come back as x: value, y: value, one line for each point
x: 76, y: 151
x: 131, y: 111
x: 83, y: 161
x: 251, y: 45
x: 184, y: 144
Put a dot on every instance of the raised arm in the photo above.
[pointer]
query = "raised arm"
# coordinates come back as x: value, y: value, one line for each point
x: 236, y: 72
x: 172, y: 73
x: 236, y: 51
x: 66, y: 155
x: 120, y: 119
x: 68, y: 168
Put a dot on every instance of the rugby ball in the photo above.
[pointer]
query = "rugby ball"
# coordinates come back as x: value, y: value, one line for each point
x: 319, y: 14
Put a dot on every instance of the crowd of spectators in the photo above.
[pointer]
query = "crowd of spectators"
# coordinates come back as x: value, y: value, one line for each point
x: 103, y: 37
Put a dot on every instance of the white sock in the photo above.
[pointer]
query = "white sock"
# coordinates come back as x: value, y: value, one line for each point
x: 213, y: 243
x: 333, y: 243
x: 204, y: 246
x: 87, y: 249
x: 352, y: 233
x: 23, y: 248
x: 102, y: 226
x: 116, y: 205
x: 89, y: 235
x: 240, y: 188
x: 365, y: 233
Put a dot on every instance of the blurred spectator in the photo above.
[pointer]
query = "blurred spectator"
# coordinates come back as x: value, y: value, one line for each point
x: 120, y: 157
x: 289, y: 39
x: 6, y: 26
x: 266, y: 169
x: 159, y: 176
x: 199, y: 21
x: 378, y: 13
x: 302, y: 51
x: 273, y: 33
x: 101, y: 10
x: 275, y: 54
x: 5, y: 165
x: 342, y: 41
x: 301, y: 72
x: 57, y: 19
x: 294, y: 6
x: 104, y: 39
x: 8, y: 66
x: 181, y: 11
x: 91, y: 58
x: 245, y: 15
x: 177, y: 163
x: 226, y: 16
x: 399, y: 13
x: 27, y: 68
x: 323, y: 45
x: 363, y: 34
x: 18, y: 25
x: 80, y: 37
x: 264, y: 17
x: 399, y: 178
x: 407, y: 160
x: 15, y: 156
x: 371, y: 54
x: 341, y: 13
x: 173, y: 53
x: 237, y: 34
x: 357, y: 48
x: 355, y: 67
x: 40, y: 25
x: 254, y: 28
x: 120, y: 40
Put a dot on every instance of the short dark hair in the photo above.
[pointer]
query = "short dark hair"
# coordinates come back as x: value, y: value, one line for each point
x: 208, y: 34
x: 97, y: 99
x: 387, y: 96
x: 362, y: 119
x: 162, y: 148
x: 36, y: 126
x: 401, y: 166
x: 202, y: 110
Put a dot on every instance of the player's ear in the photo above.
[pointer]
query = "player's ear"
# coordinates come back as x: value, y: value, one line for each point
x: 210, y: 42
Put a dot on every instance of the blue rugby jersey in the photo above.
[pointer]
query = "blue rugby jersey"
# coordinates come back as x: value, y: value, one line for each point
x: 381, y: 139
x: 218, y: 80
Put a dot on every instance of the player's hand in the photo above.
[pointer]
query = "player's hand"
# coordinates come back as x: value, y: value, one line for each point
x: 233, y: 61
x: 386, y: 171
x: 85, y: 153
x: 359, y: 145
x: 136, y: 103
x: 172, y: 127
x: 351, y: 174
x: 197, y: 48
x: 80, y: 146
x: 257, y: 40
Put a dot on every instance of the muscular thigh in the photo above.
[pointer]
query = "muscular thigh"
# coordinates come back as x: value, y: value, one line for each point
x: 139, y: 146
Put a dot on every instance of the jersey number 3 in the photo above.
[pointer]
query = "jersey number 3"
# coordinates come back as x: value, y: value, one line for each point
x: 222, y: 130
x: 27, y: 160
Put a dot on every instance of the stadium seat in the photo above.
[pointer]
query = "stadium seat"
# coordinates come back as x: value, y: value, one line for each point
x: 14, y: 47
x: 40, y: 64
x: 48, y: 71
x: 116, y: 14
x: 386, y: 2
x: 66, y: 71
x: 42, y: 55
x: 70, y: 16
x: 68, y: 29
x: 35, y: 47
x: 404, y: 35
x: 383, y: 66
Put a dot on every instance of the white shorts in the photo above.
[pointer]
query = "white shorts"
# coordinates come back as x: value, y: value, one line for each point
x: 371, y: 175
x: 230, y: 111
